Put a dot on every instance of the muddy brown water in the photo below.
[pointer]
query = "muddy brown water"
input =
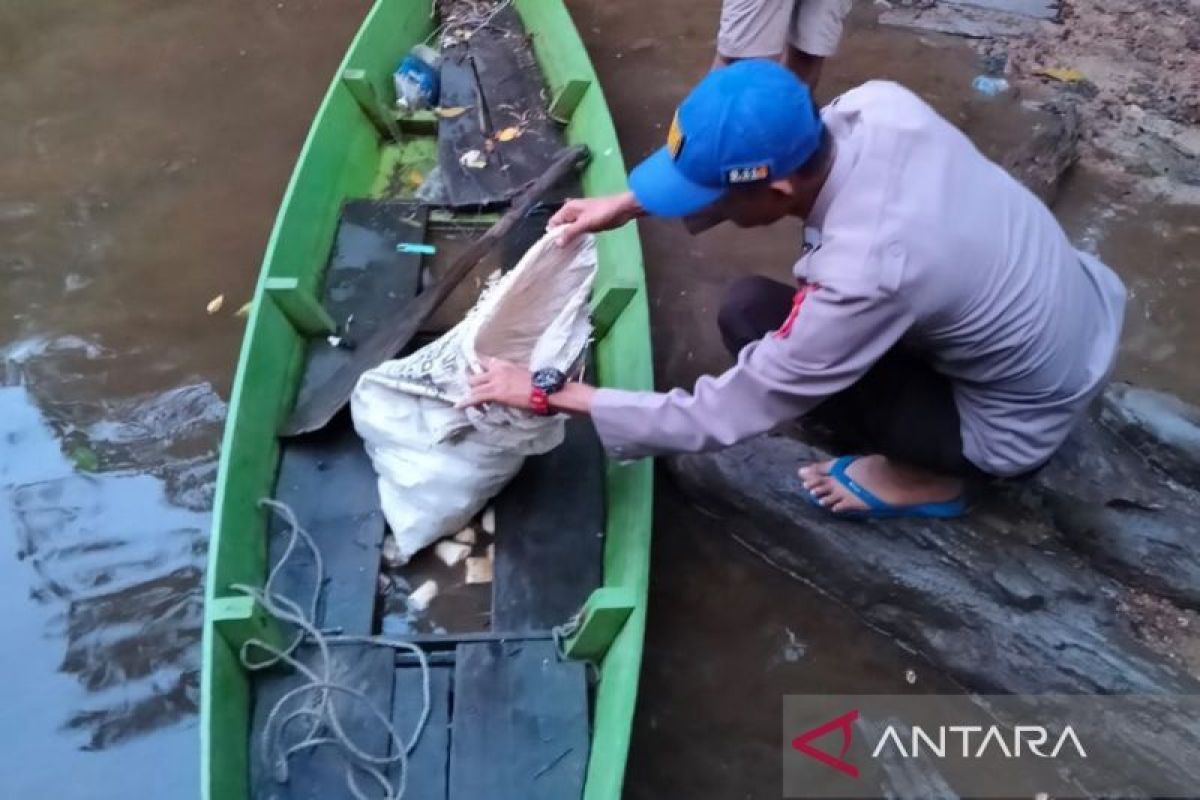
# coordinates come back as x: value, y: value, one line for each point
x: 143, y: 149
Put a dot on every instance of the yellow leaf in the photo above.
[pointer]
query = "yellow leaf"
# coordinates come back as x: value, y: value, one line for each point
x: 215, y: 304
x: 451, y: 112
x: 414, y: 178
x: 508, y: 134
x: 244, y: 311
x: 1064, y: 74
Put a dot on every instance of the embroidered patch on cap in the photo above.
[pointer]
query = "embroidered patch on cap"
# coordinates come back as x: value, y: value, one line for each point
x: 758, y: 172
x: 675, y: 137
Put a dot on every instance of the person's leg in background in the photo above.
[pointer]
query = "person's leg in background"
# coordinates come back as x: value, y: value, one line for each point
x: 816, y: 31
x: 752, y: 307
x: 800, y: 33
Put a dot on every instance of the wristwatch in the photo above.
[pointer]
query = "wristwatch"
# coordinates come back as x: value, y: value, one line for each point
x: 546, y: 381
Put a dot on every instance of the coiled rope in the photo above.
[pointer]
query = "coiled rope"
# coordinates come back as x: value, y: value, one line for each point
x: 306, y: 717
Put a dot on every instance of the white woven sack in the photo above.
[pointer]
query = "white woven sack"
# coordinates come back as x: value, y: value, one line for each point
x: 439, y: 465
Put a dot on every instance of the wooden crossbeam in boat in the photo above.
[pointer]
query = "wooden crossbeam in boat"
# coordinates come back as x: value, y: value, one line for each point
x: 604, y: 616
x: 567, y: 99
x: 607, y: 305
x: 240, y: 619
x: 304, y: 311
x: 364, y: 94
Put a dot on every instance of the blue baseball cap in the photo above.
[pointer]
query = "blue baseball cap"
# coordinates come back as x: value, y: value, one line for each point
x: 748, y: 122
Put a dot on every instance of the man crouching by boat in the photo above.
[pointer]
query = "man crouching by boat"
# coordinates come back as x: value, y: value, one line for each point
x: 942, y: 318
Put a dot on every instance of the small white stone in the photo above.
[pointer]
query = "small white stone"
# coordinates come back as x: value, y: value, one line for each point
x: 479, y: 570
x: 466, y: 535
x: 473, y: 159
x: 423, y: 595
x: 451, y: 553
x: 392, y: 557
x: 488, y: 520
x: 910, y: 675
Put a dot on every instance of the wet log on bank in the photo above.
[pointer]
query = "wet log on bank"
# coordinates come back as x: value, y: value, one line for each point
x: 1025, y: 594
x: 1030, y: 592
x: 1045, y: 147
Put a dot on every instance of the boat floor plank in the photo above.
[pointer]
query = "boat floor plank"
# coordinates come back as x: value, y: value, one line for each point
x: 516, y: 98
x: 427, y: 763
x: 366, y: 278
x: 495, y: 77
x: 549, y: 534
x: 320, y: 773
x: 466, y: 186
x: 328, y: 481
x: 327, y: 478
x: 520, y: 723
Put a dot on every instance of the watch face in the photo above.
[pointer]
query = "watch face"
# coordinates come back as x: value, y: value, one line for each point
x: 549, y: 380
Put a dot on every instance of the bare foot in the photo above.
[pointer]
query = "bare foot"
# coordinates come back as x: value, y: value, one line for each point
x: 890, y: 481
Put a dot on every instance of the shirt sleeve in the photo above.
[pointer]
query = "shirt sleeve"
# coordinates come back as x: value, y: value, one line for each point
x: 835, y: 337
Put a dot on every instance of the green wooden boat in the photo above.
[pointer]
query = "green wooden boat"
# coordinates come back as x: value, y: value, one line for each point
x: 359, y: 151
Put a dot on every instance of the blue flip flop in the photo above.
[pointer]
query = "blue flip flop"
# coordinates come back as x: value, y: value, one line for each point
x: 879, y: 509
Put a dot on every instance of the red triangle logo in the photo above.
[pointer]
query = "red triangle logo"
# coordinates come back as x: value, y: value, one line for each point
x: 842, y: 723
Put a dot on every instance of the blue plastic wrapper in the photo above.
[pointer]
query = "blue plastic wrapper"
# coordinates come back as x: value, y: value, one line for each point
x: 416, y: 79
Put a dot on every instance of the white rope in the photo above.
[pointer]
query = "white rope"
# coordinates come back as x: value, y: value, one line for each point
x: 312, y: 702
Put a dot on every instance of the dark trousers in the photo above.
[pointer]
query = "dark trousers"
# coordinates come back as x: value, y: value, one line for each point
x: 900, y: 408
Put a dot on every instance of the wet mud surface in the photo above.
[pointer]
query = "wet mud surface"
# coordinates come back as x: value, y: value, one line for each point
x: 143, y: 151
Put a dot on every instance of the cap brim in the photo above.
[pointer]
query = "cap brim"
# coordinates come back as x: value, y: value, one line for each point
x: 664, y: 191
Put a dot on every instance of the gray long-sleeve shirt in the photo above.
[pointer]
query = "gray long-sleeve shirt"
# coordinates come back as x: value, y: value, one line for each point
x: 917, y: 238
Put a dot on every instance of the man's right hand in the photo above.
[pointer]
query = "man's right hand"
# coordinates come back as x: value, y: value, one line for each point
x: 594, y: 214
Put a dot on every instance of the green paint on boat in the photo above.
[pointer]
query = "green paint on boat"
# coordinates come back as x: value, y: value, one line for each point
x: 344, y: 157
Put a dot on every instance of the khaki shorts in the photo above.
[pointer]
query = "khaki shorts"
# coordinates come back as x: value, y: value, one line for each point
x: 762, y: 28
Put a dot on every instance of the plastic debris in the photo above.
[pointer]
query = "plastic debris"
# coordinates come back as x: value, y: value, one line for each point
x: 466, y: 536
x: 1064, y: 74
x: 215, y: 304
x: 450, y: 552
x: 989, y: 86
x: 417, y: 79
x: 423, y: 595
x: 334, y: 341
x: 479, y: 570
x: 419, y: 249
x: 488, y: 520
x: 473, y: 159
x: 451, y: 112
x: 508, y: 134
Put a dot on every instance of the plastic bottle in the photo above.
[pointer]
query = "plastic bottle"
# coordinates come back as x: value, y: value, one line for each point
x: 416, y: 79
